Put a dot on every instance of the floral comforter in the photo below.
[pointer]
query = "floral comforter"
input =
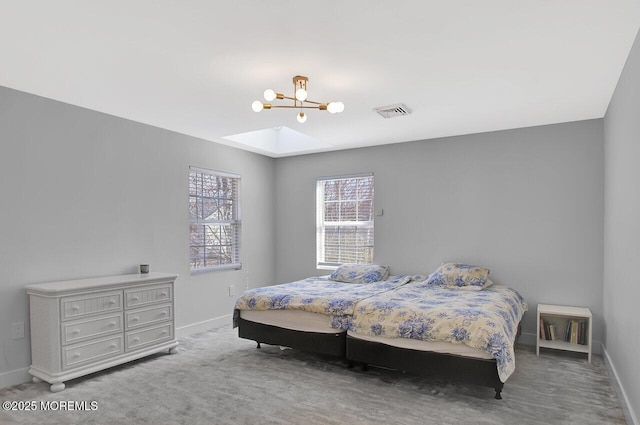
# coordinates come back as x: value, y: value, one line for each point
x: 487, y: 320
x: 316, y: 295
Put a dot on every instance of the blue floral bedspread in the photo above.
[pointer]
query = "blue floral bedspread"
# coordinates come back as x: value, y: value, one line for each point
x: 487, y: 320
x: 316, y: 295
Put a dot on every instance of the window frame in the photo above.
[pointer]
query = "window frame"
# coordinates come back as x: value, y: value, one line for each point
x: 321, y: 223
x: 235, y: 222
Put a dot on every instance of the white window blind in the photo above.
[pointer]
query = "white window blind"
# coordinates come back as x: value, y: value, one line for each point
x: 214, y: 216
x: 344, y: 220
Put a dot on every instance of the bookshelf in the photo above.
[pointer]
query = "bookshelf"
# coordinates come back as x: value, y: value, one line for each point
x: 564, y: 320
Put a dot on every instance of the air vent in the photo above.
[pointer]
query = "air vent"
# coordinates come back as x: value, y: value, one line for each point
x: 393, y: 111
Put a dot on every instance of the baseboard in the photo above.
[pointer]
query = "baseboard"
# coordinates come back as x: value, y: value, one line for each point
x: 527, y: 339
x: 629, y: 414
x: 194, y: 328
x: 14, y: 377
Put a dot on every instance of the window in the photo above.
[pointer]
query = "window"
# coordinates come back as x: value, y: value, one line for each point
x: 344, y: 220
x: 214, y: 220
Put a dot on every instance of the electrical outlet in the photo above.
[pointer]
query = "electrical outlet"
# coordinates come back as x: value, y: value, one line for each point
x: 17, y: 330
x: 232, y: 290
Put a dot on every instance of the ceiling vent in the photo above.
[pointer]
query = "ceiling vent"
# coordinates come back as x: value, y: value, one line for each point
x: 393, y: 111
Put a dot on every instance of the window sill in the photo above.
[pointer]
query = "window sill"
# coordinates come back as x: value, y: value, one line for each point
x: 216, y: 269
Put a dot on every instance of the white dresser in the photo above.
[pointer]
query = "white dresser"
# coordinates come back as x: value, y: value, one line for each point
x: 83, y: 326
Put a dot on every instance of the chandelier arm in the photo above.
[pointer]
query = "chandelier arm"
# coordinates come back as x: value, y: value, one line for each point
x: 301, y: 101
x: 294, y: 107
x: 305, y: 101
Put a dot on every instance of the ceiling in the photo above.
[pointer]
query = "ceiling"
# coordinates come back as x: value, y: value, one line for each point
x: 195, y: 67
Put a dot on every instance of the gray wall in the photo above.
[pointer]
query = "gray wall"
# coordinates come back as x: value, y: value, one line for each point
x: 622, y: 230
x: 87, y: 194
x: 527, y: 203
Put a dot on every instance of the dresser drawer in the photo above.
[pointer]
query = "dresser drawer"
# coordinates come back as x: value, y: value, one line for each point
x: 141, y: 338
x: 148, y: 316
x: 91, y: 352
x: 79, y: 330
x: 104, y: 302
x: 147, y: 295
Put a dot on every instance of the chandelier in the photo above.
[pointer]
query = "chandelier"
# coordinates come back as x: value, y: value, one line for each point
x: 299, y: 99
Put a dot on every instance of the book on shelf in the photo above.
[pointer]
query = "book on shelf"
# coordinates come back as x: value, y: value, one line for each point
x: 548, y: 330
x: 552, y: 331
x: 582, y: 332
x: 576, y: 332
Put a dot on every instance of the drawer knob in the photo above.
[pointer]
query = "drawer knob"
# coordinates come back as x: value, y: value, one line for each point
x: 164, y: 313
x: 75, y: 307
x: 112, y: 346
x: 163, y: 293
x: 136, y: 339
x: 112, y: 302
x: 75, y: 332
x: 112, y: 324
x: 76, y: 355
x: 135, y: 318
x: 136, y: 298
x: 163, y: 333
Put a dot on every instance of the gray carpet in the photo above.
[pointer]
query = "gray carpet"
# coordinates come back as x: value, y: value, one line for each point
x: 218, y: 378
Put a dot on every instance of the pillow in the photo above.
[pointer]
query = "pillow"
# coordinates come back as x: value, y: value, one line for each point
x: 460, y: 276
x: 472, y: 287
x: 360, y: 273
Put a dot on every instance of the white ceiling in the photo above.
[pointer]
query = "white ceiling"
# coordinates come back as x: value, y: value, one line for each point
x: 465, y: 66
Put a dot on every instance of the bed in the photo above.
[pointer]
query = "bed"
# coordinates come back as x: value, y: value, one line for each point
x: 454, y: 324
x: 311, y: 314
x: 441, y: 331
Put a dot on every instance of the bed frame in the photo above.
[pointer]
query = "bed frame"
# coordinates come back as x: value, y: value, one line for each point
x: 430, y: 364
x: 448, y: 367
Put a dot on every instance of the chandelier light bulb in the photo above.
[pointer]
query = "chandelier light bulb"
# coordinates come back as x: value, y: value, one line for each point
x: 257, y: 106
x: 301, y: 95
x: 301, y: 117
x: 335, y: 107
x: 269, y: 95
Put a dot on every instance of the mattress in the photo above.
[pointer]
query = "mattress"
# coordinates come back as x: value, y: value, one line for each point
x: 297, y: 320
x: 434, y: 346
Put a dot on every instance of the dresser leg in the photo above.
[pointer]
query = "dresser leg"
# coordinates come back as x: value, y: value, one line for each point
x: 36, y: 379
x: 173, y: 350
x: 55, y: 388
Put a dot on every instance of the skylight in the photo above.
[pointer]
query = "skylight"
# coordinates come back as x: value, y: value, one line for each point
x: 278, y: 141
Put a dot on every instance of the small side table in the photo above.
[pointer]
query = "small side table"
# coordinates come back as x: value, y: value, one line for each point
x: 561, y: 317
